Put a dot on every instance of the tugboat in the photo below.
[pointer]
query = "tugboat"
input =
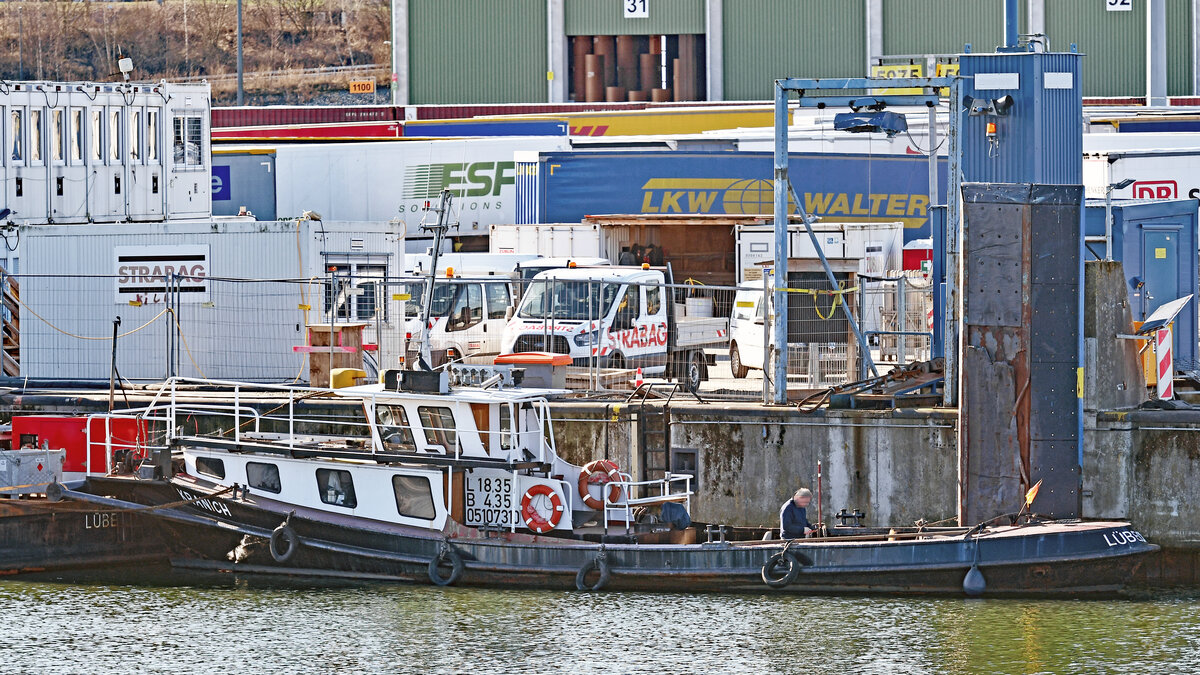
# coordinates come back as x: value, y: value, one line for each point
x: 452, y: 477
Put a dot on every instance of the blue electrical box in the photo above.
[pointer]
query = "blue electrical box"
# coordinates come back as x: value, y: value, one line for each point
x: 1034, y: 101
x: 1156, y: 242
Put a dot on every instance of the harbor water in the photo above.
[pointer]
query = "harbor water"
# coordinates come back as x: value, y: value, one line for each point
x: 200, y: 623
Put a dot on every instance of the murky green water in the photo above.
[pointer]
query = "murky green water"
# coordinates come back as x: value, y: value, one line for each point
x: 220, y: 624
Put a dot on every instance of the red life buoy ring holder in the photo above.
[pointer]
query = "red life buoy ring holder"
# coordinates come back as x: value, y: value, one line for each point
x: 533, y: 519
x: 599, y: 471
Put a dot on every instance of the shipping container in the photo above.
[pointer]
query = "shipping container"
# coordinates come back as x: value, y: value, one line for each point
x: 80, y: 278
x: 557, y: 187
x: 488, y: 127
x: 1156, y: 173
x: 660, y: 121
x: 1156, y: 242
x: 379, y: 182
x: 82, y: 152
x: 333, y: 131
x: 878, y: 247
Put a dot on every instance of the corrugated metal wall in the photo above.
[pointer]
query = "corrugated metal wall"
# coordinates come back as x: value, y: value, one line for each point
x: 943, y: 26
x: 1179, y: 48
x: 607, y: 17
x: 466, y: 51
x: 770, y: 39
x: 1115, y: 44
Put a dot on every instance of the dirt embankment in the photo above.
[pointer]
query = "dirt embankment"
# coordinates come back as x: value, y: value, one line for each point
x: 64, y: 40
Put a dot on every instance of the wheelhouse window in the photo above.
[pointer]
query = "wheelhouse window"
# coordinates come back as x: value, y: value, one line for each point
x: 439, y: 426
x: 263, y: 476
x: 210, y: 466
x: 414, y: 497
x: 394, y: 430
x: 336, y: 487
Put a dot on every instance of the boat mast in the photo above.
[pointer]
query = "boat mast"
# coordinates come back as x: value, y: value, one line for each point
x: 439, y: 233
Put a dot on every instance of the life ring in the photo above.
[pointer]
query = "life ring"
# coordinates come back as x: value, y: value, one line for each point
x: 533, y: 519
x: 447, y: 553
x: 599, y: 563
x: 284, y: 543
x: 771, y: 571
x: 596, y: 472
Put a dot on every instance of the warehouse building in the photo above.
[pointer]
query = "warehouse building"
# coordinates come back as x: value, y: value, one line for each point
x: 502, y: 51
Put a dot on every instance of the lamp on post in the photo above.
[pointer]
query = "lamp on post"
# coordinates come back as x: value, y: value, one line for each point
x: 1108, y: 190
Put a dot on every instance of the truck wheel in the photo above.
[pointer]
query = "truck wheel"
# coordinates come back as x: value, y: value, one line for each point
x: 735, y: 362
x: 694, y: 375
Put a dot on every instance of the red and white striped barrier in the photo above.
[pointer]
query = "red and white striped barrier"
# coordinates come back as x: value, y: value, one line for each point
x: 1166, y: 363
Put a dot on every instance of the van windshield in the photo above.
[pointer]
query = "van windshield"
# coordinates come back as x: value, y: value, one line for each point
x: 562, y: 299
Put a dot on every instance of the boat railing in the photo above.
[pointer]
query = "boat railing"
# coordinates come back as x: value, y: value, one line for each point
x: 648, y: 493
x: 167, y: 414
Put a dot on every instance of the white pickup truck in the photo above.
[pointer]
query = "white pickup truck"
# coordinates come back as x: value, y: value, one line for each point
x: 623, y: 317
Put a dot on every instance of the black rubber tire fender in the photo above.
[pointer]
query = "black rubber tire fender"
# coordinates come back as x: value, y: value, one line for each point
x: 770, y: 570
x: 447, y: 554
x: 284, y: 543
x: 597, y: 563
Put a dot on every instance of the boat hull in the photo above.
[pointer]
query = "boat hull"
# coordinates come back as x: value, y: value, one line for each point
x: 231, y: 534
x: 40, y: 536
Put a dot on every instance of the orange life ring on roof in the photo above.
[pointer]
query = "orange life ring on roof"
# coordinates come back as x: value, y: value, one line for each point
x: 533, y: 519
x: 600, y: 471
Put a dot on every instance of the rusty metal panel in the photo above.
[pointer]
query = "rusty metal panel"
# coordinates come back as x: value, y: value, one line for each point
x: 1022, y: 323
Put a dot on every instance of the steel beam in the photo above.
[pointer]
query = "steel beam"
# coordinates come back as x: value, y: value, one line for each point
x: 779, y: 319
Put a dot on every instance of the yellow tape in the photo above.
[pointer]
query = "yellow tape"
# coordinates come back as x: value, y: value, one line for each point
x: 304, y: 307
x: 402, y: 296
x: 813, y: 291
x: 744, y: 303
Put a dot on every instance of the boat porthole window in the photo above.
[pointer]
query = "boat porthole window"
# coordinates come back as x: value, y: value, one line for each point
x: 336, y: 487
x: 263, y: 476
x: 439, y: 426
x: 210, y: 466
x: 394, y: 430
x: 414, y: 497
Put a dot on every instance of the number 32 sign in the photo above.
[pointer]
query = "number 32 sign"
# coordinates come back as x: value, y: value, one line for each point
x: 640, y: 9
x: 1113, y: 5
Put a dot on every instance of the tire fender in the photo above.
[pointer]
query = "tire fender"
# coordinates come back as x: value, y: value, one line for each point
x: 446, y: 554
x: 284, y: 543
x: 600, y: 563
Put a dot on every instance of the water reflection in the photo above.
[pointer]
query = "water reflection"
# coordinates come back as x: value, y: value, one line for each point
x: 169, y: 622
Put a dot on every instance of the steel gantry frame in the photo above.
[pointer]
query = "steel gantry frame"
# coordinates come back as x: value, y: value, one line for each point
x: 931, y: 99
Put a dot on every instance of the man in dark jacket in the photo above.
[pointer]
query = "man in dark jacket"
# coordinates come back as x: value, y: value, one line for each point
x: 793, y: 519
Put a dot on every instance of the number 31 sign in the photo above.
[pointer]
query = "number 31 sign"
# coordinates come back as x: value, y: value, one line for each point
x: 640, y: 9
x: 1110, y: 5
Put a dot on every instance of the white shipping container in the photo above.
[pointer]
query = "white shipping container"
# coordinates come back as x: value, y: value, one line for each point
x: 230, y: 328
x: 563, y: 240
x: 381, y: 181
x: 878, y: 246
x: 1157, y: 174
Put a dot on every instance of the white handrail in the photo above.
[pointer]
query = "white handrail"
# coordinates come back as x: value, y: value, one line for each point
x: 624, y: 508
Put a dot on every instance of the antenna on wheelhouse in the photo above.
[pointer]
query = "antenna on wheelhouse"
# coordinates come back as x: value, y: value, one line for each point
x: 439, y: 233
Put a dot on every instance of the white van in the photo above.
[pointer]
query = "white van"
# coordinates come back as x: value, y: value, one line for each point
x: 747, y: 326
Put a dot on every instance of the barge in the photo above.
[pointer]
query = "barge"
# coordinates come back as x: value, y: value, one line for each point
x: 461, y: 484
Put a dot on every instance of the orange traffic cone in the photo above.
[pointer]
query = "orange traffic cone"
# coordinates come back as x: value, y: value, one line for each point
x: 637, y: 381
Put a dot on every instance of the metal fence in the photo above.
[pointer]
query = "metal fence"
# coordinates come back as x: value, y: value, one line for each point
x: 619, y: 334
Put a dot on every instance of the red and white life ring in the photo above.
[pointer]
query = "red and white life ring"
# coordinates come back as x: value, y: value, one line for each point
x: 533, y: 519
x: 600, y: 471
